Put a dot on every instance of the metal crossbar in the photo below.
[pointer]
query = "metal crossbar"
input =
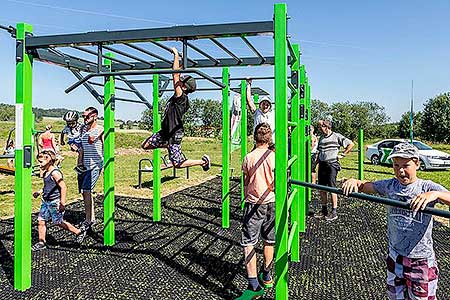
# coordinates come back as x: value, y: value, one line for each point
x: 145, y: 51
x: 129, y: 55
x: 174, y: 33
x: 116, y: 87
x: 104, y: 56
x: 203, y: 53
x: 250, y: 45
x: 381, y: 200
x: 90, y: 89
x: 136, y: 91
x: 132, y: 101
x: 161, y: 45
x: 143, y: 72
x: 222, y: 46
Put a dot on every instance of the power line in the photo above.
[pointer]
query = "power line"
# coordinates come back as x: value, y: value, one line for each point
x: 88, y: 12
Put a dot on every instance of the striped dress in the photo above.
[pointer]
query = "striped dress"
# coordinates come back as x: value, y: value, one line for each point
x: 92, y: 152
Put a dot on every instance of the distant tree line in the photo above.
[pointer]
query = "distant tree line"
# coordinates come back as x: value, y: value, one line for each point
x: 7, y: 112
x: 432, y: 123
x: 204, y: 118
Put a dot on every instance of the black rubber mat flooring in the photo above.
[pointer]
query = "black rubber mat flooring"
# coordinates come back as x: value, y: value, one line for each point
x: 188, y: 256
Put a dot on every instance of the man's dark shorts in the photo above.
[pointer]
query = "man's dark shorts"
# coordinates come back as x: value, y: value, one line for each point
x: 259, y: 219
x: 328, y: 172
x: 173, y: 145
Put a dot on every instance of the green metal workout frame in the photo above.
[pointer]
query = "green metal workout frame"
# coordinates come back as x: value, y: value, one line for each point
x: 43, y: 48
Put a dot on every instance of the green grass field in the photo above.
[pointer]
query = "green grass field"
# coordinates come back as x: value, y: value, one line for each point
x: 128, y: 154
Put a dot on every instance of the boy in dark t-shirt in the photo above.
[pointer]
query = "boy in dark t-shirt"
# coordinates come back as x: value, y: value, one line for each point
x: 172, y: 131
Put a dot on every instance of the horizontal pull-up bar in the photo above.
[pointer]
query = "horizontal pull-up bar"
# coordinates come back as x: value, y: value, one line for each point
x: 371, y: 198
x: 143, y: 72
x: 197, y: 90
x: 116, y: 87
x: 132, y: 101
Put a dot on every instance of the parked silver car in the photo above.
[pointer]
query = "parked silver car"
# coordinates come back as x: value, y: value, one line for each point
x: 429, y: 159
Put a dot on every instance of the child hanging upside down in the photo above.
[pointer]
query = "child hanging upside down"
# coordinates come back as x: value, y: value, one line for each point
x: 172, y: 131
x: 412, y: 271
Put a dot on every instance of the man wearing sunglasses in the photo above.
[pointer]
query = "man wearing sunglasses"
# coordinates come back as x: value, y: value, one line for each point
x: 92, y: 157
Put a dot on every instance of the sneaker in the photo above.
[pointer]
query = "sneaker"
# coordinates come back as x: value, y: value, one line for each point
x: 320, y: 215
x: 266, y: 284
x: 206, y: 159
x: 331, y: 217
x: 80, y: 237
x: 39, y: 246
x: 85, y: 226
x: 250, y: 294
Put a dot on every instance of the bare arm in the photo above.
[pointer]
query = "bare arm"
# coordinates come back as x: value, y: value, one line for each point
x: 421, y: 201
x: 57, y: 176
x: 102, y: 136
x: 358, y: 186
x: 61, y: 139
x: 40, y: 141
x: 249, y: 99
x: 349, y: 148
x: 176, y: 76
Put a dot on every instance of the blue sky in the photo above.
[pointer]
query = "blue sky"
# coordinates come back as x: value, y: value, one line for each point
x: 353, y: 50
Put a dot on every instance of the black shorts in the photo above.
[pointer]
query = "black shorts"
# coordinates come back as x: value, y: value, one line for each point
x: 328, y: 172
x: 259, y: 219
x: 314, y: 162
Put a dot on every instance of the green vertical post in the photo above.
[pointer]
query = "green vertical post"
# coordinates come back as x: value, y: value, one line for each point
x: 308, y: 176
x: 296, y: 150
x: 361, y: 154
x: 302, y: 152
x: 156, y: 153
x: 281, y: 154
x: 109, y: 141
x: 243, y: 130
x: 24, y: 155
x: 256, y: 99
x: 226, y: 150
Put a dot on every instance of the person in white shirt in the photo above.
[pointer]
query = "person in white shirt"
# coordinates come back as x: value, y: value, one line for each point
x: 263, y: 114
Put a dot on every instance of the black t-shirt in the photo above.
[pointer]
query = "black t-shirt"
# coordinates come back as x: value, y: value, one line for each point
x: 173, y: 116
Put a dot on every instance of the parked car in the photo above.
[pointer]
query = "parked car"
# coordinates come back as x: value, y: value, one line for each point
x: 429, y: 159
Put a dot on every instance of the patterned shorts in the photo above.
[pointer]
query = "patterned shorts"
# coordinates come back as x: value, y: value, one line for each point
x: 50, y: 209
x: 411, y: 278
x: 176, y: 156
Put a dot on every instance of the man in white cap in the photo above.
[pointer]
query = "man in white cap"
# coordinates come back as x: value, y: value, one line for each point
x: 263, y: 114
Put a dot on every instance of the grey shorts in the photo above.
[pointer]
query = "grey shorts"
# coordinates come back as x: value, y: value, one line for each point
x: 259, y: 219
